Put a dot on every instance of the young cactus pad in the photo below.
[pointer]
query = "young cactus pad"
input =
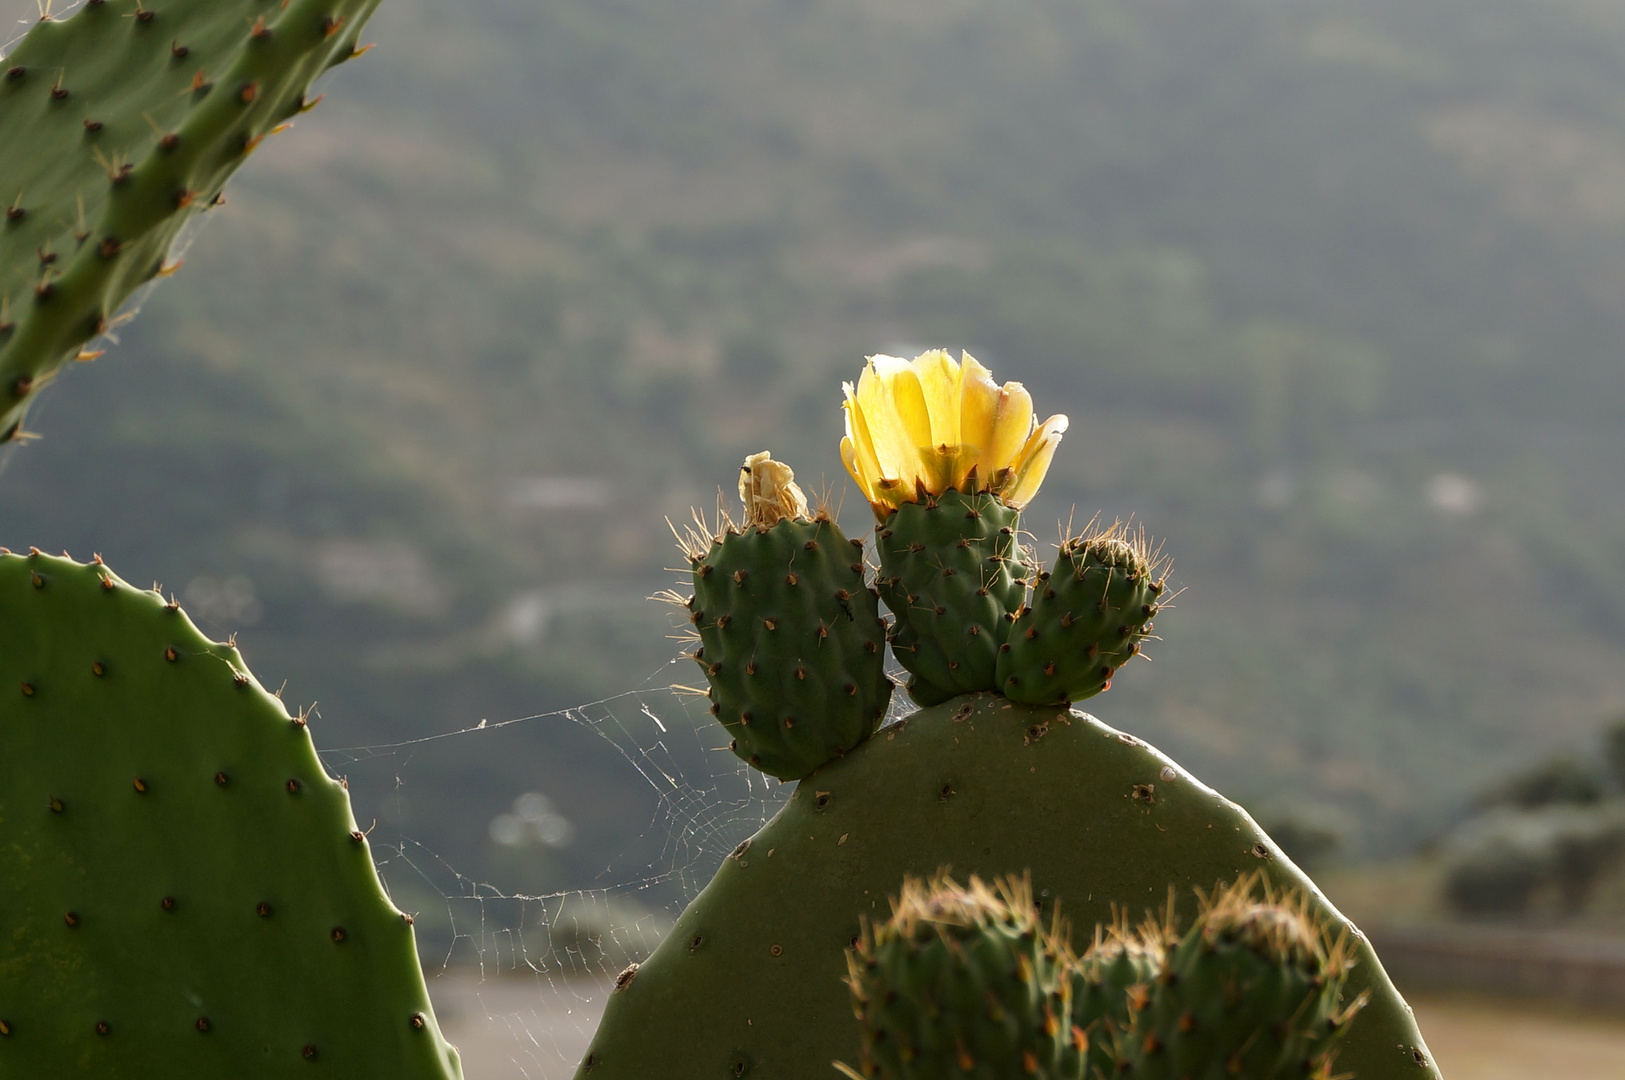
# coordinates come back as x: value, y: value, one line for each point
x: 1119, y: 959
x: 953, y: 575
x: 1255, y: 989
x: 964, y: 981
x: 791, y: 640
x: 119, y: 124
x: 749, y: 982
x: 183, y: 889
x: 1088, y: 616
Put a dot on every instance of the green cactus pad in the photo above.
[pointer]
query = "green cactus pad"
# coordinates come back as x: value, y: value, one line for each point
x: 953, y: 574
x: 963, y: 982
x: 120, y: 123
x: 792, y: 643
x: 1255, y: 989
x: 1088, y: 617
x: 183, y: 890
x: 749, y: 982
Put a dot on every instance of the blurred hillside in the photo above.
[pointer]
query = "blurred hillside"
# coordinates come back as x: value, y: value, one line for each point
x: 1331, y: 291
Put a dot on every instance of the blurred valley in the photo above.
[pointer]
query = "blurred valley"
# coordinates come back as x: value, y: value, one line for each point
x: 1334, y: 294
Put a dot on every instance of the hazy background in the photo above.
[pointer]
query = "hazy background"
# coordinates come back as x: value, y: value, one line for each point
x: 1332, y: 292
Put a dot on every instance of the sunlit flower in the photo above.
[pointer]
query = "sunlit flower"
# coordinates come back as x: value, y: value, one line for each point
x: 920, y: 427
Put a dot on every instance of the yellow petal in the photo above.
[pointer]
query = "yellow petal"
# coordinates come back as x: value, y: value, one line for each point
x: 1033, y: 463
x: 857, y: 429
x: 849, y: 458
x: 939, y: 382
x: 1012, y: 424
x: 896, y: 450
x: 908, y: 400
x: 979, y: 397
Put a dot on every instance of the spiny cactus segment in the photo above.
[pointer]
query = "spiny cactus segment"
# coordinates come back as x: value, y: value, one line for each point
x: 1089, y: 614
x: 963, y: 981
x: 183, y: 888
x: 1109, y: 979
x: 120, y: 123
x: 954, y: 574
x: 969, y: 982
x: 1255, y: 989
x: 790, y: 635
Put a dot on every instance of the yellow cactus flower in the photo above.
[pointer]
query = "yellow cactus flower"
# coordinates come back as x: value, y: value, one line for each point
x: 920, y: 427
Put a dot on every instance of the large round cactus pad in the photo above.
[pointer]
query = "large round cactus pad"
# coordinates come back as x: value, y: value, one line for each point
x: 749, y: 982
x: 183, y: 890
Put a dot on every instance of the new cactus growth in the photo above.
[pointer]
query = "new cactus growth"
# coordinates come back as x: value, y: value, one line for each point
x: 1089, y: 613
x: 120, y: 123
x: 969, y: 983
x: 1119, y: 964
x: 1255, y: 989
x: 963, y: 981
x: 791, y: 640
x: 184, y: 890
x: 952, y: 572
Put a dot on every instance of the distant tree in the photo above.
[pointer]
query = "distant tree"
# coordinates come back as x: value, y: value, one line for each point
x: 1613, y: 750
x: 1555, y: 782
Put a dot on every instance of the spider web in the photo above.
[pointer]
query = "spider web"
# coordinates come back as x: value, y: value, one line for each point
x: 519, y: 979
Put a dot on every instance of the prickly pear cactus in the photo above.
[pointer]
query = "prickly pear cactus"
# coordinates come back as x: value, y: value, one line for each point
x: 988, y: 787
x: 1089, y: 613
x: 748, y: 982
x: 790, y: 634
x: 963, y: 981
x: 120, y: 123
x: 183, y: 890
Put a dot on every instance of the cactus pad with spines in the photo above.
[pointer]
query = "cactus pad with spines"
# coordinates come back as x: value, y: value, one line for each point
x: 965, y: 982
x: 120, y: 123
x: 183, y: 889
x: 791, y: 642
x: 1087, y: 619
x: 1255, y: 989
x: 979, y: 784
x: 953, y: 574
